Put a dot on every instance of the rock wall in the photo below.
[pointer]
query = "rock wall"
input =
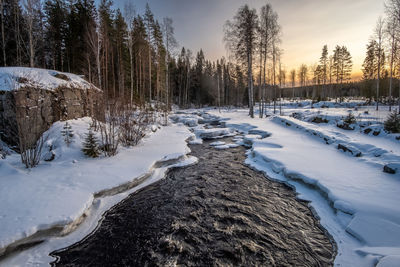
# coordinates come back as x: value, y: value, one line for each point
x: 34, y: 110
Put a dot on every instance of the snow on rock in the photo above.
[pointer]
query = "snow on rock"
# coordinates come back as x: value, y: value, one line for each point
x: 190, y: 120
x: 214, y: 133
x: 14, y: 78
x: 220, y: 147
x: 217, y: 143
x: 57, y: 193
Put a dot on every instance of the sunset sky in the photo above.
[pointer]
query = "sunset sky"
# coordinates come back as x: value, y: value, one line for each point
x: 306, y: 25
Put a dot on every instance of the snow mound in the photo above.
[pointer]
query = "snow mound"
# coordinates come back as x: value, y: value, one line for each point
x: 389, y: 261
x: 14, y: 78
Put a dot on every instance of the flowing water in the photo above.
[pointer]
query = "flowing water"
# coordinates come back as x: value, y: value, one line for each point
x: 218, y: 212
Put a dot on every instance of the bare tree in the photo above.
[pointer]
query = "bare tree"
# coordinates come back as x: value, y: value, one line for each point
x: 392, y: 29
x: 94, y: 43
x: 379, y: 35
x: 170, y: 44
x: 240, y: 38
x: 129, y: 14
x: 269, y: 31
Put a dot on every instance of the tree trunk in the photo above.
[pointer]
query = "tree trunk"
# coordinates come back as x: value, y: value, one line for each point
x: 250, y: 83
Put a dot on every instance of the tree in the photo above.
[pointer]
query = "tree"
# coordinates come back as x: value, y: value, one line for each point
x: 170, y: 44
x: 269, y: 31
x: 323, y: 67
x: 293, y: 80
x: 240, y: 37
x: 68, y: 133
x: 149, y: 21
x: 370, y: 65
x: 3, y: 39
x: 160, y: 57
x: 91, y: 145
x: 379, y: 32
x: 392, y: 123
x: 342, y: 64
x: 392, y: 10
x: 392, y: 29
x: 33, y: 10
x: 56, y: 26
x: 129, y: 14
x: 120, y: 36
x: 302, y: 75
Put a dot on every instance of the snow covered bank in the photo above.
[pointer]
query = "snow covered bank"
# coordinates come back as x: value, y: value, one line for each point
x: 53, y: 196
x: 362, y: 210
x: 14, y: 78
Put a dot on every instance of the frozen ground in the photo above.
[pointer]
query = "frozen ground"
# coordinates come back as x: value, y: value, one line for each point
x: 54, y: 197
x: 339, y: 171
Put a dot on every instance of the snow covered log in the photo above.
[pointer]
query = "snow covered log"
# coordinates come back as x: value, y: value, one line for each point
x: 34, y: 99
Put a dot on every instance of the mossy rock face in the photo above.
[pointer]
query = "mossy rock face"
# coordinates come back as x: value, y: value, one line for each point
x: 37, y: 109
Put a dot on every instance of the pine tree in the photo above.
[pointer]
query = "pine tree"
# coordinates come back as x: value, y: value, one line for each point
x: 149, y: 21
x: 67, y: 133
x: 91, y: 145
x: 56, y: 27
x: 392, y: 124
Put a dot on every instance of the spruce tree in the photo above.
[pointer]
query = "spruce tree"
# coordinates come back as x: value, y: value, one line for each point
x: 67, y: 133
x: 392, y: 124
x: 90, y: 145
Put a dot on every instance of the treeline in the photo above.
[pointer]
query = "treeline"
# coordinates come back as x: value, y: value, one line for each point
x: 130, y: 56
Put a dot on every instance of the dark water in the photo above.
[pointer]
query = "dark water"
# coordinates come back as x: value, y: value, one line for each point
x: 216, y: 213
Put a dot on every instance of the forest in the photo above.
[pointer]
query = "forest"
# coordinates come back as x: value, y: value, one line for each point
x: 135, y: 57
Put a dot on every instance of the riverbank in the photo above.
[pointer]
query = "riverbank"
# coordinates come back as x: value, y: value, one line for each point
x: 55, y: 197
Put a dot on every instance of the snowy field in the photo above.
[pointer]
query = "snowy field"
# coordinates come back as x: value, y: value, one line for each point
x: 55, y: 197
x: 340, y: 171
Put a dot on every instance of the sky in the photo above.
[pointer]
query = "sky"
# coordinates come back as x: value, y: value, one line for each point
x: 307, y: 25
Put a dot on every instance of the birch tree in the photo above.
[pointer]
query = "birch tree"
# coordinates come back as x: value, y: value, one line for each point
x: 32, y: 8
x: 240, y: 38
x: 170, y: 44
x: 379, y: 35
x: 129, y: 15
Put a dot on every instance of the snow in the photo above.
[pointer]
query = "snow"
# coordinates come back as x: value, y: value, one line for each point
x: 14, y: 78
x: 217, y: 143
x: 339, y: 171
x: 214, y: 133
x: 59, y: 192
x: 364, y: 199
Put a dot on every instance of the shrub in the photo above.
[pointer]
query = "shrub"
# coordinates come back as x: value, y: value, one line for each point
x: 392, y: 123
